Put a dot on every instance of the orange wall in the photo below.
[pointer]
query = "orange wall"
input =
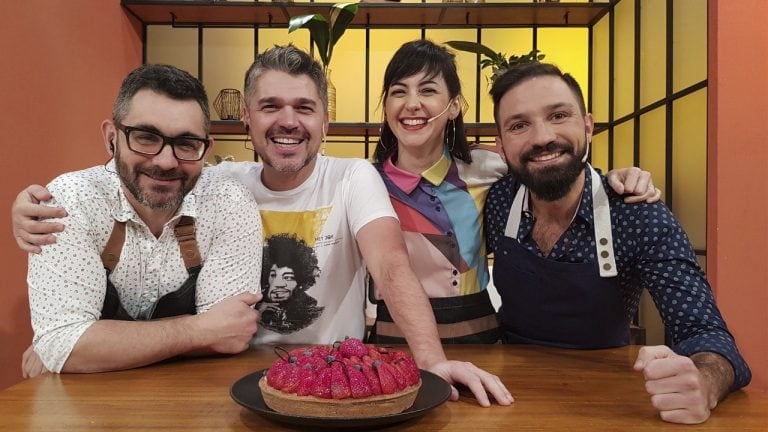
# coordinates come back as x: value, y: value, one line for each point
x: 737, y: 214
x: 62, y: 63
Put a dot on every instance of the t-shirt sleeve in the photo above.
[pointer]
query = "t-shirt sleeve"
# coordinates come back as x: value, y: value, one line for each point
x: 366, y: 196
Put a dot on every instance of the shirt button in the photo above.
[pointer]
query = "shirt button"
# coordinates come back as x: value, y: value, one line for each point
x: 449, y: 233
x: 431, y: 198
x: 455, y: 272
x: 437, y: 208
x: 454, y: 283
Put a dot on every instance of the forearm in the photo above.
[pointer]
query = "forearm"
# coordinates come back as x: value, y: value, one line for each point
x: 716, y: 372
x: 413, y: 314
x: 115, y: 345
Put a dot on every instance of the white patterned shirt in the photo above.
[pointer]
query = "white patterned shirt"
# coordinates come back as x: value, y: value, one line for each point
x: 67, y: 281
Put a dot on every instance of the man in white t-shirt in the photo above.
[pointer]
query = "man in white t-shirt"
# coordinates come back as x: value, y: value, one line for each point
x: 340, y: 209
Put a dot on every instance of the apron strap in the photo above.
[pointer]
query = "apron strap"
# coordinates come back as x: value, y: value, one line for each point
x: 111, y: 253
x: 601, y: 215
x: 185, y: 236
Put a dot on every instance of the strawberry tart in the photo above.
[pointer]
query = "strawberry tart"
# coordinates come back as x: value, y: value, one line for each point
x: 349, y: 380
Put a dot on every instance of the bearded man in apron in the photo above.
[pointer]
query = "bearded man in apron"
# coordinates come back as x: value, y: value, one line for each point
x: 157, y: 258
x: 572, y: 258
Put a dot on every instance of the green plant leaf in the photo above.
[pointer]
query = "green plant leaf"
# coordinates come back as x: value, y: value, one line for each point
x: 472, y: 47
x: 319, y: 30
x: 341, y: 15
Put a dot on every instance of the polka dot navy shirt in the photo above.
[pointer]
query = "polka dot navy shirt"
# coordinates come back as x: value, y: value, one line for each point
x: 652, y: 252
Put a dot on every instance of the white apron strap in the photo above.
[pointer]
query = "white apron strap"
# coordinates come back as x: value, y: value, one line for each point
x: 601, y: 215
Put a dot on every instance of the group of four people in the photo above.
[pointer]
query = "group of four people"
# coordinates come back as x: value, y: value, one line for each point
x: 571, y: 257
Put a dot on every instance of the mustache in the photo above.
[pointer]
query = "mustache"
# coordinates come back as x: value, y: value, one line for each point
x: 551, y: 147
x: 161, y: 174
x: 288, y: 132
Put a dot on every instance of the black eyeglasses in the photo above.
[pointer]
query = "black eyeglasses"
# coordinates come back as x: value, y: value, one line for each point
x: 146, y: 142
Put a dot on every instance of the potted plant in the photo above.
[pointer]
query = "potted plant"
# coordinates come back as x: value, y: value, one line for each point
x: 498, y: 62
x: 325, y: 33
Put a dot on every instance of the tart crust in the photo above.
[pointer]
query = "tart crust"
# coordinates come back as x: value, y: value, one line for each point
x: 311, y: 406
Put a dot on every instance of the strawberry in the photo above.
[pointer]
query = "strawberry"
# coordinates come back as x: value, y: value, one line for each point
x: 292, y: 380
x: 316, y: 363
x: 400, y: 380
x: 307, y: 381
x: 410, y: 372
x: 358, y: 383
x: 368, y: 360
x: 323, y: 384
x: 276, y: 374
x: 373, y: 379
x: 353, y: 347
x: 387, y: 381
x: 374, y: 353
x: 339, y: 382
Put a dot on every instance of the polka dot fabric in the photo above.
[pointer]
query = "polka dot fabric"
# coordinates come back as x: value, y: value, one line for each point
x: 652, y: 252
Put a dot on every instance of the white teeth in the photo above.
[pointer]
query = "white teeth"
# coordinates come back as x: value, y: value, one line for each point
x: 413, y: 122
x: 547, y: 157
x: 286, y: 140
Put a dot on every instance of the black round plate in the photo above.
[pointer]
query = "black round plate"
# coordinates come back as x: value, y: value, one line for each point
x: 433, y: 392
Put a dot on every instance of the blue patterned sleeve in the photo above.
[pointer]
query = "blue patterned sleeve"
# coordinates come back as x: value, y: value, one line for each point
x: 669, y: 271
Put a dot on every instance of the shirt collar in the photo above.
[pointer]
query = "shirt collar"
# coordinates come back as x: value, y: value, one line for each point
x: 407, y: 181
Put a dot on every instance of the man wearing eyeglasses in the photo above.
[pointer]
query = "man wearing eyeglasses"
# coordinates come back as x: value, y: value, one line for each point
x: 157, y: 259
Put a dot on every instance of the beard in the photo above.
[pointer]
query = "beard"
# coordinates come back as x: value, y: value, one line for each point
x: 550, y: 183
x: 291, y: 165
x: 157, y: 197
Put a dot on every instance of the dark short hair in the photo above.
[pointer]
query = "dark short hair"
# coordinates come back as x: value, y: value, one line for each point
x: 432, y: 59
x: 517, y: 74
x: 285, y: 250
x: 288, y: 59
x: 166, y: 80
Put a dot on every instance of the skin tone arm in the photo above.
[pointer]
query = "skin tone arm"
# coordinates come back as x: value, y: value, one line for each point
x: 114, y: 345
x: 684, y: 389
x: 410, y: 308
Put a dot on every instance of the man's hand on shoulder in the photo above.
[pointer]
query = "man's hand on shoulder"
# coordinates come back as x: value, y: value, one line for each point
x: 479, y: 382
x: 27, y: 214
x: 684, y: 389
x: 230, y: 324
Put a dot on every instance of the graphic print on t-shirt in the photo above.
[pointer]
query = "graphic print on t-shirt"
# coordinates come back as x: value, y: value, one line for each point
x: 289, y: 269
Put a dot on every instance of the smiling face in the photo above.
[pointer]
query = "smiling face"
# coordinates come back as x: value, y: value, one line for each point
x: 544, y: 135
x: 287, y: 125
x: 409, y: 104
x: 282, y: 283
x: 157, y: 182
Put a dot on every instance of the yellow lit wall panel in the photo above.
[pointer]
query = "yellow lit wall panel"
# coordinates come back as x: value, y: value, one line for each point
x: 623, y: 145
x: 173, y: 46
x: 384, y: 42
x: 624, y: 58
x: 653, y: 52
x: 568, y: 48
x: 348, y: 75
x: 689, y: 42
x: 269, y: 37
x: 600, y: 151
x: 653, y: 146
x: 345, y: 147
x: 689, y: 165
x: 507, y: 41
x: 600, y: 81
x: 231, y: 47
x: 466, y: 64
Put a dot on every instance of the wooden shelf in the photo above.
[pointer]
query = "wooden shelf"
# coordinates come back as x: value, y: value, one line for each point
x: 235, y: 127
x: 380, y: 15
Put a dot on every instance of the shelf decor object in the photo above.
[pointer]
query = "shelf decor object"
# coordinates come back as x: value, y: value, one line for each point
x: 229, y: 104
x: 325, y: 34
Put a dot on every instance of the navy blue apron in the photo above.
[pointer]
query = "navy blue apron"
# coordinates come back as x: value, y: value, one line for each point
x: 175, y: 303
x: 567, y: 305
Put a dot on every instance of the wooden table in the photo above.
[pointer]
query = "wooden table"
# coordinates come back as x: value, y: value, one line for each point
x: 558, y: 390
